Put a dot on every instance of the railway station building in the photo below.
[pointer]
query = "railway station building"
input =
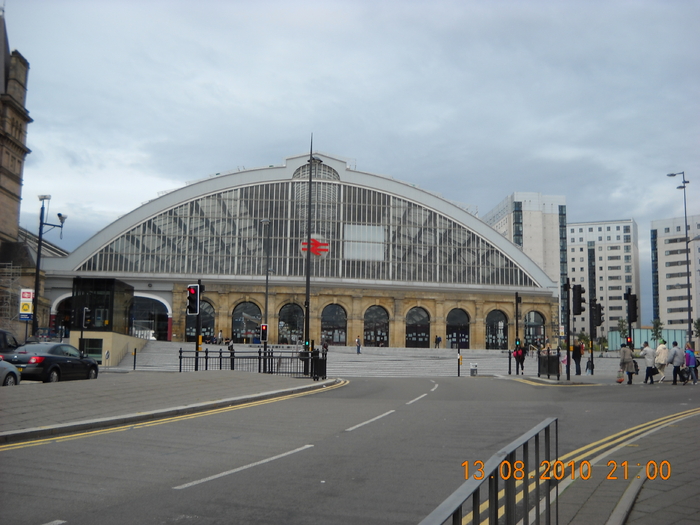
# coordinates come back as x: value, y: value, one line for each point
x: 391, y: 263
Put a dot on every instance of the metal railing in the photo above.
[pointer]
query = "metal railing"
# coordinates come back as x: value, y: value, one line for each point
x: 289, y: 363
x: 516, y: 485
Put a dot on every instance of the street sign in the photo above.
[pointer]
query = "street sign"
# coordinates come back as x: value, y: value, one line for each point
x: 26, y: 304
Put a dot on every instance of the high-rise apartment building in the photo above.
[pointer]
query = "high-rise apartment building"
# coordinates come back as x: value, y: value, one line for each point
x: 670, y: 271
x: 604, y: 257
x: 537, y: 224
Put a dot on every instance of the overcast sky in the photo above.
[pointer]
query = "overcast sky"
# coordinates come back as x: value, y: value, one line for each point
x: 594, y: 100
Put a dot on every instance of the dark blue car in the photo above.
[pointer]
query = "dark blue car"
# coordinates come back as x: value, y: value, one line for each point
x: 52, y: 362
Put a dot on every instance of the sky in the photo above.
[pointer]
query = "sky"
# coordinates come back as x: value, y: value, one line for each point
x: 474, y: 100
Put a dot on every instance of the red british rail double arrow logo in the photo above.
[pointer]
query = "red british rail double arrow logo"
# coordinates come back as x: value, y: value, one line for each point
x: 317, y: 247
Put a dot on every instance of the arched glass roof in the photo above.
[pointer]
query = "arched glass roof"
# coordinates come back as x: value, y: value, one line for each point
x: 373, y: 228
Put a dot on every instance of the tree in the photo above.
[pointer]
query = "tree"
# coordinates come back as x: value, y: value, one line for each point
x: 657, y: 330
x: 584, y: 338
x: 622, y: 328
x: 602, y: 342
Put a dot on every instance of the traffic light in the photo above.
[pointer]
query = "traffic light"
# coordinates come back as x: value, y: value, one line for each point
x: 517, y: 343
x: 263, y: 333
x: 87, y: 317
x: 632, y: 308
x: 192, y: 299
x: 629, y: 342
x: 597, y: 314
x: 579, y: 300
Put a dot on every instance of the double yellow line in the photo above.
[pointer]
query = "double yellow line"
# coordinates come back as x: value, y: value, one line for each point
x: 591, y: 451
x: 174, y: 419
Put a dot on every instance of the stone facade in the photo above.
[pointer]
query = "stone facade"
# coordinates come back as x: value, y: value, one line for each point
x: 397, y: 303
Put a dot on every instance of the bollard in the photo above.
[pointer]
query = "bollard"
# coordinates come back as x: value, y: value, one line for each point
x: 510, y: 356
x: 134, y: 358
x: 206, y: 359
x: 180, y: 360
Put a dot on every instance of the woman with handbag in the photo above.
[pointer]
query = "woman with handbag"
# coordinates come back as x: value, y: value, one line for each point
x: 649, y: 355
x: 691, y: 363
x: 627, y: 362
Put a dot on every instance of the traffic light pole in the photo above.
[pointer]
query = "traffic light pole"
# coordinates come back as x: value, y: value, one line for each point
x: 567, y: 287
x: 198, y: 334
x: 593, y: 318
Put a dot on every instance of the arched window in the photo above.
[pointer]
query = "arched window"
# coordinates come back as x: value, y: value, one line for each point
x: 417, y: 328
x: 206, y: 310
x: 457, y: 329
x: 148, y: 318
x: 245, y: 325
x: 496, y: 331
x: 376, y: 331
x: 334, y: 325
x: 62, y: 324
x: 534, y: 329
x: 291, y: 325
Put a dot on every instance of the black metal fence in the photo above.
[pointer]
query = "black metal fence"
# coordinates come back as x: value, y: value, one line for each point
x: 516, y: 485
x: 289, y: 363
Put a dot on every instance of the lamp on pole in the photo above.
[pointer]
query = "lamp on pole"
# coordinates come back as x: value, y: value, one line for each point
x: 35, y: 300
x: 686, y: 236
x: 266, y: 222
x: 307, y: 304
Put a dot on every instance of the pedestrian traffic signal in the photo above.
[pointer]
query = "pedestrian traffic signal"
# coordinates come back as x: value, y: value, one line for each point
x: 263, y: 333
x: 629, y: 342
x: 579, y: 300
x: 192, y: 299
x: 632, y: 308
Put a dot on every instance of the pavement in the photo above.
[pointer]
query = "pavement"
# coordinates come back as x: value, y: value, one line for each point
x: 122, y: 396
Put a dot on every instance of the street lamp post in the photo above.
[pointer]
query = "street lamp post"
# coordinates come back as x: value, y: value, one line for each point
x: 266, y: 222
x: 686, y: 235
x: 307, y: 304
x: 35, y: 300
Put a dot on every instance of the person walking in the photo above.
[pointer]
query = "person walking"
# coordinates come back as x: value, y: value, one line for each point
x: 519, y: 356
x: 357, y: 344
x: 626, y: 362
x: 675, y: 357
x: 691, y: 363
x: 660, y: 361
x: 579, y: 349
x: 649, y: 355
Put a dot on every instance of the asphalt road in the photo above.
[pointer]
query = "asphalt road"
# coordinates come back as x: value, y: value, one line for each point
x: 374, y: 451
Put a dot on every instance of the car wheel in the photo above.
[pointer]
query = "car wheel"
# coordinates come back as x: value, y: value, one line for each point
x: 54, y: 377
x: 92, y: 373
x: 10, y: 380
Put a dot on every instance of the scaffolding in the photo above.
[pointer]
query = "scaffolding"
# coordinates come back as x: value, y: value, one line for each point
x: 10, y: 289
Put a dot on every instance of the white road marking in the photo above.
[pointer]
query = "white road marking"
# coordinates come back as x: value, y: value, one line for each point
x: 434, y: 388
x: 416, y: 399
x: 228, y: 472
x: 55, y: 522
x: 369, y: 421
